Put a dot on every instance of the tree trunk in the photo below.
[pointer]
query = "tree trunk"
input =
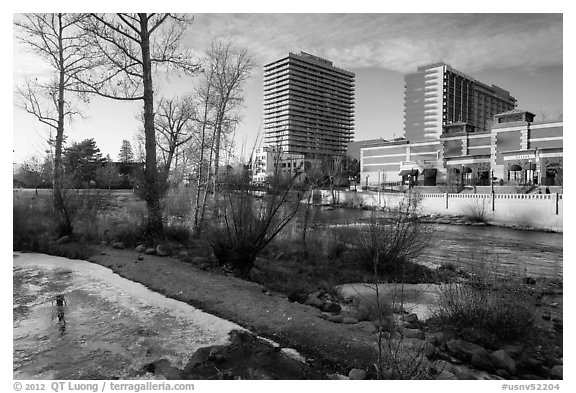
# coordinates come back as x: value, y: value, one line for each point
x: 64, y: 224
x: 154, y: 224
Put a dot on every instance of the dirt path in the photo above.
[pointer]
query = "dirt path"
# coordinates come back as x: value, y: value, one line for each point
x: 326, y: 345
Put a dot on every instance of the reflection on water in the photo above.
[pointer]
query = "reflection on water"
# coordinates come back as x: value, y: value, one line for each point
x: 537, y: 254
x: 60, y: 303
x: 78, y: 320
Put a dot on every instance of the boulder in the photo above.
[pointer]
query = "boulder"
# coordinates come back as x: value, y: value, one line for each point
x: 349, y: 320
x: 140, y: 257
x: 514, y: 350
x: 367, y: 326
x: 357, y: 375
x: 314, y: 301
x: 335, y: 318
x: 482, y: 361
x: 502, y: 360
x: 118, y: 245
x: 412, y: 333
x: 63, y: 240
x: 386, y: 324
x: 430, y: 350
x: 463, y: 349
x: 200, y: 260
x: 183, y: 255
x: 438, y: 338
x: 162, y: 251
x: 141, y: 248
x: 150, y: 251
x: 331, y: 307
x: 477, y: 336
x: 503, y: 374
x: 557, y: 372
x: 410, y: 318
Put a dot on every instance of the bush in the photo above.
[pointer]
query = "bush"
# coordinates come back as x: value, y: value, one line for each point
x: 247, y: 224
x: 497, y: 305
x: 386, y: 247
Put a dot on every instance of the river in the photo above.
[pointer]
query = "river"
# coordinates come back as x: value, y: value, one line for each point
x: 77, y: 320
x: 531, y: 253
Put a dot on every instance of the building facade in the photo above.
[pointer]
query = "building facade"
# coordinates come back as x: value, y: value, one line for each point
x: 308, y: 106
x: 437, y: 95
x: 268, y: 161
x: 516, y: 150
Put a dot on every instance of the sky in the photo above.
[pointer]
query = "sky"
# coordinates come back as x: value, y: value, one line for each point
x: 522, y: 53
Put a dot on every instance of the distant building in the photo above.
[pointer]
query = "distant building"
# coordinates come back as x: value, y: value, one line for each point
x: 519, y: 151
x: 308, y: 106
x: 437, y: 95
x: 268, y: 161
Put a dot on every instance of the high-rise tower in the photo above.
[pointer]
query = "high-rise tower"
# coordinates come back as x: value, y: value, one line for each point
x: 437, y: 95
x: 308, y: 106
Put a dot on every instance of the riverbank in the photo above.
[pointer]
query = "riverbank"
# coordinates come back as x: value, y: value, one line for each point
x: 332, y: 344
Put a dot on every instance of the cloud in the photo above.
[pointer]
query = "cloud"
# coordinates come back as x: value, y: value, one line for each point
x: 396, y: 42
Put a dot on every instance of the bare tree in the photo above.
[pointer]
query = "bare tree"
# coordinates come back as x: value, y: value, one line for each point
x: 174, y: 125
x: 220, y: 95
x: 132, y: 46
x: 57, y: 40
x: 231, y: 68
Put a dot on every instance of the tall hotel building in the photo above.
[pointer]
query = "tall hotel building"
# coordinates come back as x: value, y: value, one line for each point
x: 308, y: 106
x: 437, y: 95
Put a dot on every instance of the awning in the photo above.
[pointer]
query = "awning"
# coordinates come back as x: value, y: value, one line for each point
x: 429, y: 172
x: 467, y: 169
x: 515, y: 168
x: 406, y: 172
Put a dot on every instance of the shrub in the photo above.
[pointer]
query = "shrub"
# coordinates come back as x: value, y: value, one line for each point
x: 248, y: 223
x: 386, y: 247
x: 498, y: 305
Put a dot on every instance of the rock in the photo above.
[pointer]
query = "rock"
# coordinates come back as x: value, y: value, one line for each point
x: 503, y: 373
x: 103, y: 253
x: 412, y: 333
x: 410, y: 318
x: 118, y: 245
x: 162, y: 251
x: 140, y: 257
x: 335, y: 318
x: 445, y: 375
x: 502, y: 360
x: 464, y: 349
x: 183, y: 255
x: 557, y: 372
x: 546, y: 316
x: 314, y: 302
x: 514, y: 350
x: 386, y: 324
x: 349, y: 320
x: 297, y: 297
x: 482, y: 361
x: 430, y: 351
x: 337, y: 377
x: 150, y: 251
x: 200, y: 260
x: 331, y: 307
x: 63, y: 240
x: 367, y: 326
x: 438, y: 338
x: 357, y: 374
x: 529, y: 281
x: 141, y: 248
x: 477, y: 336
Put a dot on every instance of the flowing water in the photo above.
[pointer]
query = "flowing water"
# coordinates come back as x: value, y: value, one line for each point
x: 77, y: 320
x: 534, y: 253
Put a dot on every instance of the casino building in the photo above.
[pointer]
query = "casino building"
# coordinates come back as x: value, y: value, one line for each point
x: 515, y: 150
